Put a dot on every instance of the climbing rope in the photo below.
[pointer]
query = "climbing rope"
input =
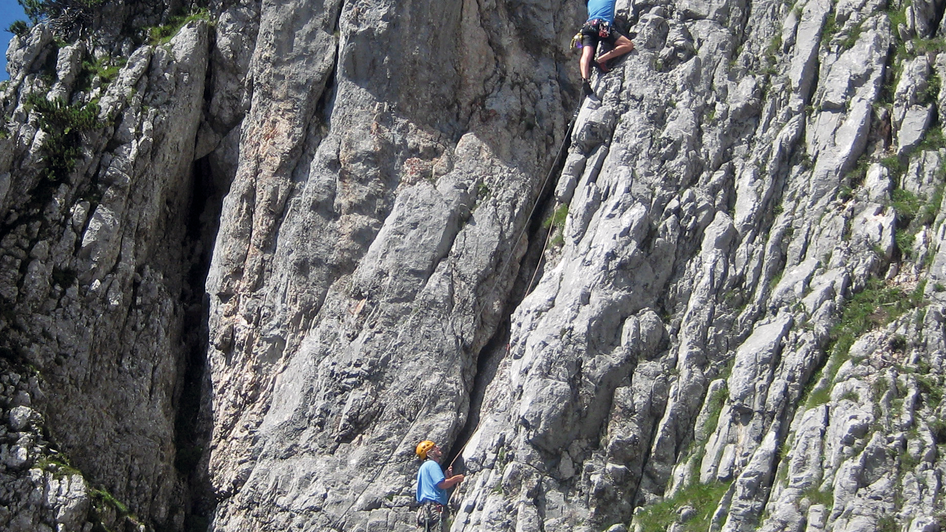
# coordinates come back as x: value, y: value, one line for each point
x: 338, y: 521
x: 548, y: 178
x: 561, y: 151
x: 563, y: 147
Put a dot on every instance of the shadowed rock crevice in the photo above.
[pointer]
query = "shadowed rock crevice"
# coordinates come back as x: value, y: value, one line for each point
x: 192, y: 426
x: 537, y: 232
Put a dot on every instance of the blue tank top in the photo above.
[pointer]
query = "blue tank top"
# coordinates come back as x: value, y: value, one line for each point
x: 602, y: 9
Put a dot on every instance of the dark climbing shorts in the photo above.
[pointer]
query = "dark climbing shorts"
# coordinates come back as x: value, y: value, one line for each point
x: 595, y: 31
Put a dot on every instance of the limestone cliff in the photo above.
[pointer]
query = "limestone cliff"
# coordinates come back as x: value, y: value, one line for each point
x: 252, y: 252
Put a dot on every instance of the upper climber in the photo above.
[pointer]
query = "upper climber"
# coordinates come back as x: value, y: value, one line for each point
x: 600, y: 27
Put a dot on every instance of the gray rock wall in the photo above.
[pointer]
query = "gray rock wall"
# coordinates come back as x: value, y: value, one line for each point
x: 96, y: 259
x: 731, y: 319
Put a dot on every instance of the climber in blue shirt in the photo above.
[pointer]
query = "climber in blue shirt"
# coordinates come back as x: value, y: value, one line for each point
x: 600, y: 27
x: 432, y: 486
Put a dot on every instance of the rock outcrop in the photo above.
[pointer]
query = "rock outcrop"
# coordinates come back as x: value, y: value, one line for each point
x: 253, y: 252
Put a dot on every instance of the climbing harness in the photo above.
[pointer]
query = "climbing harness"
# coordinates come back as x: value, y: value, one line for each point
x: 604, y: 30
x: 596, y: 28
x: 429, y: 514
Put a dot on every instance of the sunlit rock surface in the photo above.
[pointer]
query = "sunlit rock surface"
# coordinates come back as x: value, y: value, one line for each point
x: 251, y: 253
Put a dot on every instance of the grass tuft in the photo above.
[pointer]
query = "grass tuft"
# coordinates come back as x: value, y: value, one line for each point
x: 704, y: 498
x: 875, y: 306
x: 160, y: 35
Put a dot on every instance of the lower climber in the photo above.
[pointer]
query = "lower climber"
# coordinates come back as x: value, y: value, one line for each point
x: 432, y: 486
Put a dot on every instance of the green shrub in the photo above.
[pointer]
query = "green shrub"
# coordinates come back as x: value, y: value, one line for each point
x: 931, y: 95
x: 906, y: 203
x: 857, y: 174
x: 904, y: 239
x: 896, y: 13
x: 850, y: 39
x: 66, y: 14
x: 821, y: 393
x: 38, y: 10
x: 19, y: 28
x: 898, y: 343
x: 914, y: 212
x: 850, y: 395
x: 931, y: 389
x: 557, y: 218
x: 894, y: 164
x: 102, y: 497
x: 927, y: 214
x: 716, y: 402
x: 938, y: 428
x: 63, y: 125
x: 933, y: 45
x: 875, y: 306
x: 830, y: 27
x: 482, y: 191
x: 58, y: 465
x: 908, y: 462
x: 33, y: 9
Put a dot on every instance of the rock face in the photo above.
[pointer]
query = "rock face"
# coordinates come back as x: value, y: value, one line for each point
x: 252, y: 255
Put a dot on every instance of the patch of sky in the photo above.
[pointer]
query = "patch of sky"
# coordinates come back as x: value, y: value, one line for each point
x: 10, y: 11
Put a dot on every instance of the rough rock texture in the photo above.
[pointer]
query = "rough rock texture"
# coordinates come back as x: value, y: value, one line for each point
x: 96, y: 261
x: 299, y: 237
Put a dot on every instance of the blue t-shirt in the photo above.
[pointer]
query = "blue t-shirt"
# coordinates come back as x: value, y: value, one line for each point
x: 603, y: 9
x: 428, y: 476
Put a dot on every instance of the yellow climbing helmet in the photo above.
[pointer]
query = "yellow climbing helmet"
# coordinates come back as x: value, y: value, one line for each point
x: 423, y: 447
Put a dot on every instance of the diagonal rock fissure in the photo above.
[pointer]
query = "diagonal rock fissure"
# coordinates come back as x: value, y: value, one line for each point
x: 531, y: 265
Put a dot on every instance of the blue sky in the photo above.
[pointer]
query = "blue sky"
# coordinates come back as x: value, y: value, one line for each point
x: 10, y: 10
